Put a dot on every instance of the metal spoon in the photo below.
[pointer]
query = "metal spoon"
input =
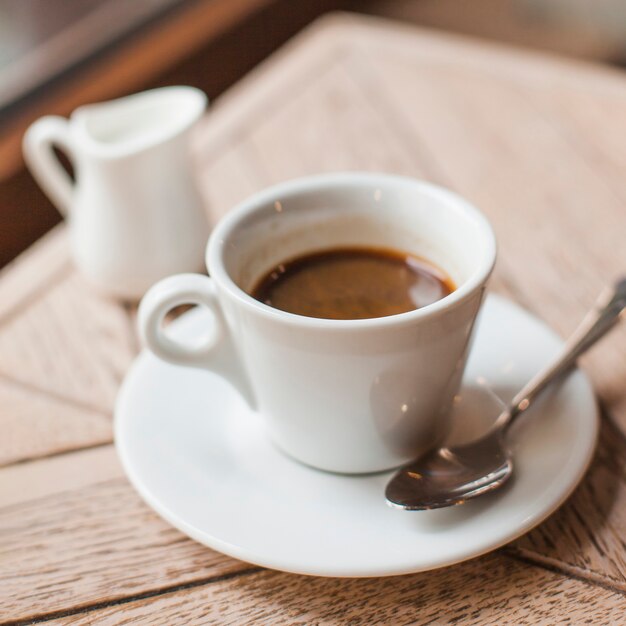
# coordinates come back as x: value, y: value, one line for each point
x: 451, y: 476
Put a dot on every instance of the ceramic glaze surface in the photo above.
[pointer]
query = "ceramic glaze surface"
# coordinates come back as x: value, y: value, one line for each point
x: 134, y: 210
x: 205, y: 462
x: 352, y: 396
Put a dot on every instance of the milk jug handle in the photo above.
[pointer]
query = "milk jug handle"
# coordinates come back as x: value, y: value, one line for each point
x: 39, y: 155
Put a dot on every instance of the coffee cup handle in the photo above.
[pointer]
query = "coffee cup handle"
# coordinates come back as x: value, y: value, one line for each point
x: 216, y: 352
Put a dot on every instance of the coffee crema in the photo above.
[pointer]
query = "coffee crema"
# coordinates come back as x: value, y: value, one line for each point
x: 352, y: 283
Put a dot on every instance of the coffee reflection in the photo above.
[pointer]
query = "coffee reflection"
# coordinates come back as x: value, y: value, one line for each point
x: 353, y: 283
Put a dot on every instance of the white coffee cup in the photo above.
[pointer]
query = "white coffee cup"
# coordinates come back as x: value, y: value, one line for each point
x: 351, y: 396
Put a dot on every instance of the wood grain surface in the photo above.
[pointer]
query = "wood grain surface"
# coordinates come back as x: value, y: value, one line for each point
x: 85, y: 523
x: 490, y: 591
x: 535, y: 142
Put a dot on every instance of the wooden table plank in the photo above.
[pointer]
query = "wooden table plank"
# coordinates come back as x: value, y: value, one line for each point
x: 24, y: 279
x: 348, y: 94
x: 35, y: 424
x: 76, y: 517
x: 68, y: 341
x: 337, y: 127
x: 493, y: 590
x: 228, y: 178
x: 73, y: 533
x: 586, y: 536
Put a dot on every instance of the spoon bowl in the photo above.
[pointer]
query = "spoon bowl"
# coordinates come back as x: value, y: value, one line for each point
x: 449, y: 476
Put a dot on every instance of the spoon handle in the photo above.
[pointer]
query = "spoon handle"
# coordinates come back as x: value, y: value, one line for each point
x: 595, y: 325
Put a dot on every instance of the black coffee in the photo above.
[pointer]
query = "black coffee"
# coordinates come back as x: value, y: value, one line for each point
x: 353, y: 283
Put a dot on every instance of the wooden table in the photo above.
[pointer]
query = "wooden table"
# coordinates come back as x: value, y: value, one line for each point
x: 537, y: 143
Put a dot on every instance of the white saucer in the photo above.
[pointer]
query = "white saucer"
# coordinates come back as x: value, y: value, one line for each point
x: 202, y: 461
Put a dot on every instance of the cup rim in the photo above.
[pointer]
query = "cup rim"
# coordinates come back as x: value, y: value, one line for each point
x: 227, y: 224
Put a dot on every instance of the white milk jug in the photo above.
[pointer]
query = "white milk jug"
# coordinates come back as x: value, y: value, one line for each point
x: 134, y: 211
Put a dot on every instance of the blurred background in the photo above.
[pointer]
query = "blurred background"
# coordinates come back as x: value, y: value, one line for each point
x: 58, y: 54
